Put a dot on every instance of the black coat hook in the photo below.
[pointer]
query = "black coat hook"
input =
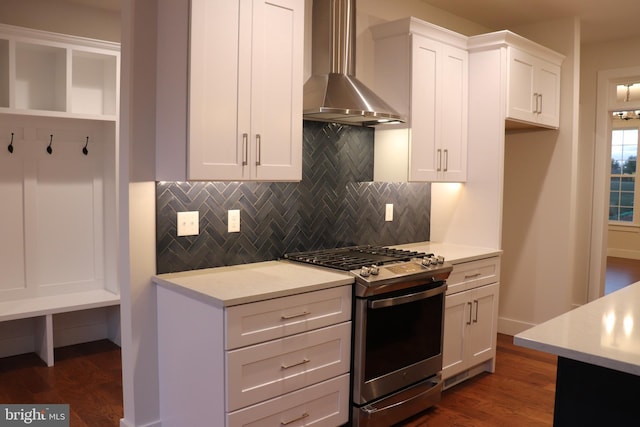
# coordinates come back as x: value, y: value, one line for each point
x: 10, y: 147
x: 85, y: 151
x: 49, y: 148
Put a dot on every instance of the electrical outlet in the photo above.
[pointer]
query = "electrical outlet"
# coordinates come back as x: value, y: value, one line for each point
x: 388, y: 212
x: 234, y: 221
x: 188, y: 223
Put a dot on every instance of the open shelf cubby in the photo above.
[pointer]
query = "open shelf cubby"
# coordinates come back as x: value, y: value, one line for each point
x: 44, y: 73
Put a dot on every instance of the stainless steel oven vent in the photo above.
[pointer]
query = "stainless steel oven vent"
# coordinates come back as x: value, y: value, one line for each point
x: 333, y: 93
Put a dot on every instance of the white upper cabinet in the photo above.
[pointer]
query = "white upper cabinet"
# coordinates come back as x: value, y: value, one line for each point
x: 534, y: 89
x: 57, y: 75
x: 533, y: 79
x: 422, y: 71
x: 243, y: 105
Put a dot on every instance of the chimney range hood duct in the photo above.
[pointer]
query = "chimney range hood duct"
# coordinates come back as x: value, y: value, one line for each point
x: 332, y: 93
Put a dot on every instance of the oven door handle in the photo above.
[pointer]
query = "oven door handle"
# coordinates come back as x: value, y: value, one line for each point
x: 405, y: 299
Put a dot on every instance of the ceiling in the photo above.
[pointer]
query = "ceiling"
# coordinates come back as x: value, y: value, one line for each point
x: 601, y: 20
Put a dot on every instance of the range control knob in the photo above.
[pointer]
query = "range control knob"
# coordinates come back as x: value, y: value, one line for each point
x: 440, y: 259
x: 427, y: 261
x: 364, y: 271
x: 374, y: 270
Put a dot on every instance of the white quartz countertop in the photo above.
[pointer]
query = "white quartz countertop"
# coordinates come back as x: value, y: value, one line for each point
x: 455, y: 254
x: 241, y: 284
x: 245, y: 283
x: 603, y: 332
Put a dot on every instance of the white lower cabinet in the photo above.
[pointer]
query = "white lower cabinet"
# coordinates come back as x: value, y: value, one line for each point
x: 275, y: 362
x: 471, y: 321
x: 321, y: 405
x: 266, y: 370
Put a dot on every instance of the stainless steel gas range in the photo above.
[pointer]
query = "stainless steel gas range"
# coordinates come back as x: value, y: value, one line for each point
x: 397, y: 328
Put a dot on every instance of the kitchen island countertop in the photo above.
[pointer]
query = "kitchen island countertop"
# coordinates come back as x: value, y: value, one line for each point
x: 604, y: 332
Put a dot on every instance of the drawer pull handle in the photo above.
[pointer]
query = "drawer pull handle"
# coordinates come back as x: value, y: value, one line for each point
x: 302, y: 362
x: 301, y: 417
x: 471, y: 276
x: 293, y: 316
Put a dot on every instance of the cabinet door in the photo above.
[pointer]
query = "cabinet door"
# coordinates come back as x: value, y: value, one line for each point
x: 439, y: 92
x: 424, y: 154
x: 276, y: 100
x: 534, y: 89
x: 548, y: 86
x: 457, y: 318
x: 245, y: 90
x: 484, y: 322
x: 454, y: 102
x: 521, y: 102
x: 219, y: 73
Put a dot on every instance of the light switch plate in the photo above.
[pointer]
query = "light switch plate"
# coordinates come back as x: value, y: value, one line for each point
x: 388, y: 212
x: 234, y: 221
x: 188, y: 223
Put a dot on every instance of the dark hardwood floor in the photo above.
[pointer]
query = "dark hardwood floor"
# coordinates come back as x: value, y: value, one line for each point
x: 520, y: 393
x: 88, y: 377
x: 620, y: 273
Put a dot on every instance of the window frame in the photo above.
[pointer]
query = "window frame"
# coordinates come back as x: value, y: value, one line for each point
x: 618, y: 124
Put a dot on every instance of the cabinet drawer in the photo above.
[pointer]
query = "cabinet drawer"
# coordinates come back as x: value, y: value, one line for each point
x: 469, y: 275
x: 257, y: 322
x: 321, y: 405
x: 267, y: 370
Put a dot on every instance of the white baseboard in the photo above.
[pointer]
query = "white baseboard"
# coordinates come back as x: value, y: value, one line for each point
x: 623, y: 253
x: 511, y: 326
x: 126, y: 423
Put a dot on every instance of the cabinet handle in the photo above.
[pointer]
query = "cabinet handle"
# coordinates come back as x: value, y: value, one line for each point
x: 535, y: 109
x: 302, y: 362
x: 446, y: 159
x: 258, y: 149
x: 245, y: 146
x: 301, y: 417
x: 470, y: 308
x: 439, y: 168
x: 292, y: 316
x: 540, y: 107
x: 471, y: 276
x: 475, y: 319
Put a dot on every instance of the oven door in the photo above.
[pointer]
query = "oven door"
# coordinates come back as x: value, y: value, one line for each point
x: 398, y: 340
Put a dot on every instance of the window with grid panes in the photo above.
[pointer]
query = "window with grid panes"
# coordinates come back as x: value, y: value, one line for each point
x: 624, y: 155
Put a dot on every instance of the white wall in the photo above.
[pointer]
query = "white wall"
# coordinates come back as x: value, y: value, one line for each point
x: 62, y: 16
x: 137, y: 139
x: 541, y: 217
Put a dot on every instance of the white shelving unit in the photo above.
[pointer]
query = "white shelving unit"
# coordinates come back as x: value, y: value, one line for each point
x: 58, y: 96
x: 57, y: 75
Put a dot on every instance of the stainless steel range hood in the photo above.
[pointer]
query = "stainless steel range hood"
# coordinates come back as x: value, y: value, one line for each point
x: 332, y: 93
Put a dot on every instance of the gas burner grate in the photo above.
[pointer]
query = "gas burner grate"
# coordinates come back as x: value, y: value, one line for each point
x: 354, y: 257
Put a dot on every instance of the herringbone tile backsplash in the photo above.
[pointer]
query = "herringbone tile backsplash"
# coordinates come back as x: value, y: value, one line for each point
x: 335, y: 204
